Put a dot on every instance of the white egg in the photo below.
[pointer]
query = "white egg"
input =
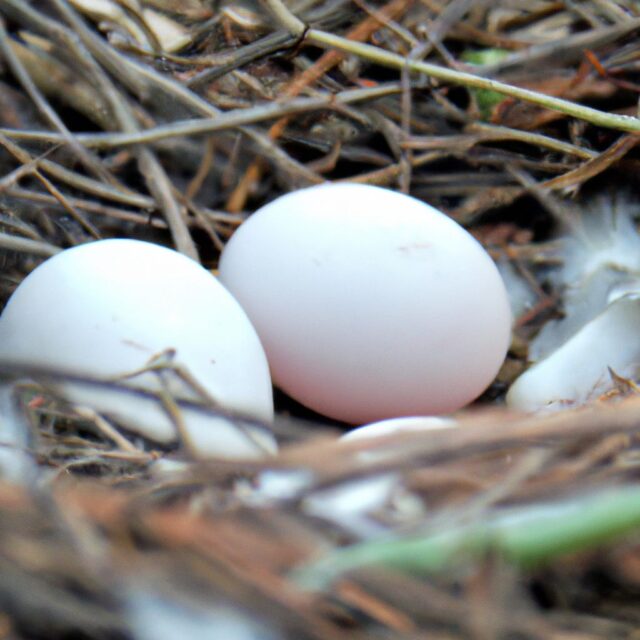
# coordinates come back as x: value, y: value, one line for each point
x: 107, y: 308
x: 370, y: 304
x: 399, y: 425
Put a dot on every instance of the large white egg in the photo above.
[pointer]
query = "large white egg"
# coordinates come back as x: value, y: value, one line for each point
x: 105, y: 309
x: 370, y: 304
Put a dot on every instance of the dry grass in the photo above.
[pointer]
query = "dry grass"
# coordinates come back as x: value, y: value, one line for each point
x: 107, y: 130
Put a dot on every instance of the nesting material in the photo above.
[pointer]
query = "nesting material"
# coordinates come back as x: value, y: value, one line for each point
x: 110, y: 540
x: 151, y: 27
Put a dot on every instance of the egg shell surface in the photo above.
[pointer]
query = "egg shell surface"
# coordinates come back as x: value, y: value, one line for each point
x: 105, y: 309
x: 392, y: 426
x: 370, y: 304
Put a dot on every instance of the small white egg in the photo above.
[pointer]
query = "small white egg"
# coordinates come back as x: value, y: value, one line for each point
x: 399, y: 425
x: 370, y: 304
x: 106, y: 309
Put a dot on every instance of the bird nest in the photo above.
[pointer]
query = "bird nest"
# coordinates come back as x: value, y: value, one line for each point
x: 170, y: 121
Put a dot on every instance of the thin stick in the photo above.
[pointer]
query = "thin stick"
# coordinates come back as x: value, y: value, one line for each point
x: 25, y: 158
x: 327, y: 61
x: 288, y: 20
x: 26, y: 245
x: 228, y: 120
x: 395, y: 61
x: 21, y: 74
x: 156, y: 179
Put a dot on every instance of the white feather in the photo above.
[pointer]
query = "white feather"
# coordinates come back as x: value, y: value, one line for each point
x: 600, y: 283
x: 601, y: 261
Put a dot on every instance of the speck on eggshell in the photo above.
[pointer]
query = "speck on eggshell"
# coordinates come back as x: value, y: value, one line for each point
x: 370, y: 304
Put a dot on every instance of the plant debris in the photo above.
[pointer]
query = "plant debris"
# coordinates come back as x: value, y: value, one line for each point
x: 170, y: 121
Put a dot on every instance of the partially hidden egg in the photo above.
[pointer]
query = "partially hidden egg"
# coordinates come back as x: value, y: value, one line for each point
x: 408, y: 424
x: 370, y: 304
x: 110, y: 308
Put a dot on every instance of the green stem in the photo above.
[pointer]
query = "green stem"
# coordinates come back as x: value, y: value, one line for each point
x: 389, y: 59
x: 527, y: 536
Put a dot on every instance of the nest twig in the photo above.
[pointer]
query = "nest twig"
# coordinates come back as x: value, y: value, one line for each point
x: 171, y: 121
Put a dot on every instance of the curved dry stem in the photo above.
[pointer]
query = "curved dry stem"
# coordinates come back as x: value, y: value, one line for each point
x: 390, y: 59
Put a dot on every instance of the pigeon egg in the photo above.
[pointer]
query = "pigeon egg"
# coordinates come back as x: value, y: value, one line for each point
x: 370, y: 304
x: 108, y: 309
